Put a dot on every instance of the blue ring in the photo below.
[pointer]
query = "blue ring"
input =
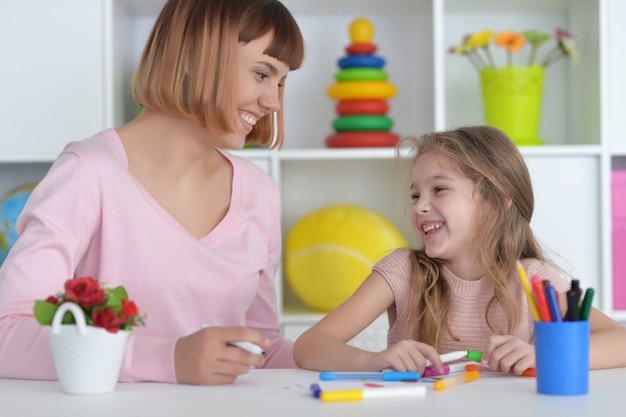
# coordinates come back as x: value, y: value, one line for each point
x: 360, y: 61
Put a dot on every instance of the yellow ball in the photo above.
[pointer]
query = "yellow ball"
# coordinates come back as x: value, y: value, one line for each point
x: 330, y: 251
x: 361, y: 31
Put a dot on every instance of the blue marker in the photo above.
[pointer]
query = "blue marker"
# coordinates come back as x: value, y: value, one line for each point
x: 385, y: 376
x: 553, y: 303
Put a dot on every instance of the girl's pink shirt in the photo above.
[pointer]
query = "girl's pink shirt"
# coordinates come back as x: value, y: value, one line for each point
x: 468, y: 302
x: 90, y: 217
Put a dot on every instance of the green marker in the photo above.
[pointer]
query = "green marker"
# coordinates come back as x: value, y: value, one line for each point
x: 585, y: 307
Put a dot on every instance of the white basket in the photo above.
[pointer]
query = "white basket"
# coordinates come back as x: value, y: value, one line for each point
x: 87, y: 359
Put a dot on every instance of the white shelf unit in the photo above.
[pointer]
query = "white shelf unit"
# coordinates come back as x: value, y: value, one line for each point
x: 89, y: 60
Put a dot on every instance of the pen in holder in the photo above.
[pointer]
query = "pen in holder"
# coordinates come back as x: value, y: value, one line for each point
x: 562, y: 357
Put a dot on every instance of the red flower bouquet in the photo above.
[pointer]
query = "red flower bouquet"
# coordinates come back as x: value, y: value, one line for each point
x: 109, y: 308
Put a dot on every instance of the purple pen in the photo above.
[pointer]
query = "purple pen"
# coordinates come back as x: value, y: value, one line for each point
x: 316, y: 390
x: 430, y: 371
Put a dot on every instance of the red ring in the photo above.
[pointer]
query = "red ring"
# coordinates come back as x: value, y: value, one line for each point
x: 362, y: 140
x: 348, y: 107
x: 361, y: 48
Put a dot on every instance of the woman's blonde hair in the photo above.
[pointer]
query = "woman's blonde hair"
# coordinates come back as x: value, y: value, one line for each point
x: 187, y: 68
x: 491, y: 160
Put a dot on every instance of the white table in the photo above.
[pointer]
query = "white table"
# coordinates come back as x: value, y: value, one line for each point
x: 277, y: 393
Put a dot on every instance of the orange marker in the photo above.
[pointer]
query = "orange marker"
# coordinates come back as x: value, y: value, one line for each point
x: 474, y: 367
x: 442, y: 384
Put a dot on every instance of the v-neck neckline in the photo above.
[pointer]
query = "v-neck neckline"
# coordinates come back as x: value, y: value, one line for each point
x: 220, y: 227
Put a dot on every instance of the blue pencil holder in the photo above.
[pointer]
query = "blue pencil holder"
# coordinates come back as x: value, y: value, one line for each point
x: 562, y: 357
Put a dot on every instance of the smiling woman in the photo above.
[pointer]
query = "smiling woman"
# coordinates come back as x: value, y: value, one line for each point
x: 158, y: 206
x: 200, y: 81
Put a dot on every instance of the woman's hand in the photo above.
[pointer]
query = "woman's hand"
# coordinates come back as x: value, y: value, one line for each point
x: 206, y: 358
x: 508, y: 354
x: 407, y: 356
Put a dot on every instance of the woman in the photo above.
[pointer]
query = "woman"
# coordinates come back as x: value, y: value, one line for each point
x: 192, y: 232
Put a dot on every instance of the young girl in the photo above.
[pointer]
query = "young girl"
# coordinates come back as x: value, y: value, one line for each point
x: 472, y: 203
x: 192, y: 232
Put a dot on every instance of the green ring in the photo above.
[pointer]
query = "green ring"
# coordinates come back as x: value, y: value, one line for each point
x: 361, y: 74
x: 361, y: 123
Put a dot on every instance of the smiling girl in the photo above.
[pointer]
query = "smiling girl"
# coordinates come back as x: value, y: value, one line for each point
x: 472, y: 202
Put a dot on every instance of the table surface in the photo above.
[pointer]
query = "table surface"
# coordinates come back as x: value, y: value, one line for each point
x: 286, y: 392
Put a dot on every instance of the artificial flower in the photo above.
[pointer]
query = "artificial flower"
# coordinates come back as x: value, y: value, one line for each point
x: 107, y: 319
x: 566, y: 47
x: 511, y: 41
x: 473, y: 45
x: 108, y: 308
x: 481, y: 39
x: 535, y: 39
x: 84, y: 291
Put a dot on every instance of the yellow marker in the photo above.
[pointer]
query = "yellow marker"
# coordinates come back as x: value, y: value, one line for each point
x: 529, y: 294
x: 408, y: 390
x: 442, y: 384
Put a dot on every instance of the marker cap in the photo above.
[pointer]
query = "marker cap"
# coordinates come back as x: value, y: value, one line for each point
x: 473, y: 355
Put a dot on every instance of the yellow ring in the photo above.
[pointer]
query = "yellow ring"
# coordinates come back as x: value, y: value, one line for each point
x: 356, y: 90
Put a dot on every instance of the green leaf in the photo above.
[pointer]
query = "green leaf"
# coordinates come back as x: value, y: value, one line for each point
x: 68, y: 318
x: 115, y: 297
x: 44, y: 312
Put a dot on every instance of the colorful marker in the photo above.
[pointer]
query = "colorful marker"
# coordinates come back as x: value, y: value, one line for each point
x: 442, y: 384
x: 404, y: 390
x: 553, y: 303
x: 585, y: 307
x: 540, y: 297
x: 384, y: 376
x: 247, y: 346
x: 573, y: 299
x: 529, y: 294
x: 430, y: 372
x: 474, y: 367
x: 316, y: 390
x: 471, y: 355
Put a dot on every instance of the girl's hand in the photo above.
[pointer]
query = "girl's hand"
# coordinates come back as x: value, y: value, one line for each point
x: 206, y: 358
x: 508, y: 354
x: 407, y: 356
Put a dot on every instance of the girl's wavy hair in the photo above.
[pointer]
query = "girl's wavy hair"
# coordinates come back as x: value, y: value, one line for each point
x: 504, y: 191
x: 188, y: 65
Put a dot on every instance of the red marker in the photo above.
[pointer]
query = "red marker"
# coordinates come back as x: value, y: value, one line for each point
x: 540, y: 296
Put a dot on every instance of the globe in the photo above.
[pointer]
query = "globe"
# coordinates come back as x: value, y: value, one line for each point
x: 11, y: 205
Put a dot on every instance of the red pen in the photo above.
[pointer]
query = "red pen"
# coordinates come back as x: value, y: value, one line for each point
x: 540, y: 296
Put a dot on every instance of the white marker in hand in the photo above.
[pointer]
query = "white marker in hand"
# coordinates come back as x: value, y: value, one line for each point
x: 247, y: 346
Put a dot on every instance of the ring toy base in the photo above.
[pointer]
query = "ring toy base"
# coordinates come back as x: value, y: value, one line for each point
x: 362, y: 140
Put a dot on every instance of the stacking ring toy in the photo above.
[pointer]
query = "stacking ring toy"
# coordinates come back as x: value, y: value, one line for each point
x: 362, y: 140
x: 348, y: 107
x: 355, y: 90
x: 362, y: 122
x: 359, y: 61
x: 361, y: 74
x: 361, y: 48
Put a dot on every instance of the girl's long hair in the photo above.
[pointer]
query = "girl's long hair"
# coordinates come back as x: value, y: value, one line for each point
x: 491, y: 160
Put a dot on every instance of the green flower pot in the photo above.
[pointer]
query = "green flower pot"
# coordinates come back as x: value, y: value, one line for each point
x: 512, y: 101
